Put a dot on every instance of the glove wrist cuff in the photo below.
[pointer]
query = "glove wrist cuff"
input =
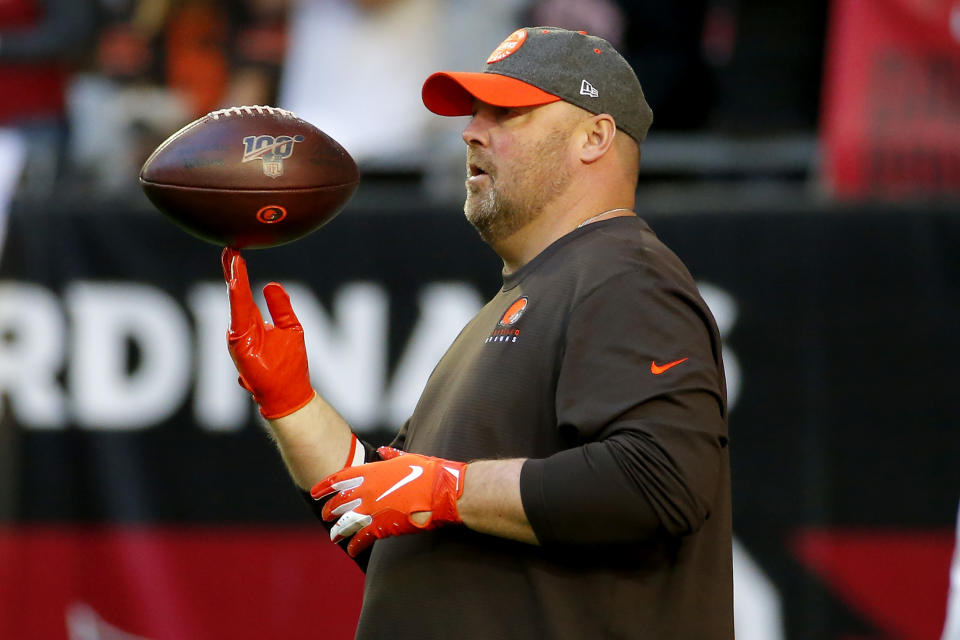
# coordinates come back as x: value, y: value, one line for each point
x: 272, y: 413
x: 357, y: 454
x: 451, y: 477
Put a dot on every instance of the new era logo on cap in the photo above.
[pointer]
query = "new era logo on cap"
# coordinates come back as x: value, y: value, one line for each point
x: 587, y: 89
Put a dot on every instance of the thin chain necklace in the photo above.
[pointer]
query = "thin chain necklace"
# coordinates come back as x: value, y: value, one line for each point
x: 600, y: 215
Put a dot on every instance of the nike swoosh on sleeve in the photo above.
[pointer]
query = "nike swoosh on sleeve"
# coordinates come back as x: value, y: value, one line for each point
x: 657, y: 369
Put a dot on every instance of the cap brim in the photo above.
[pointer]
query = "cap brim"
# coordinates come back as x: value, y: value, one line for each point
x: 452, y: 93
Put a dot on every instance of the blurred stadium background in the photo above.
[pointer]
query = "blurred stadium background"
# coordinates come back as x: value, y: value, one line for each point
x: 804, y: 162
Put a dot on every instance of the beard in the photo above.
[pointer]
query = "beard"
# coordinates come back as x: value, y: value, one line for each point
x: 517, y: 192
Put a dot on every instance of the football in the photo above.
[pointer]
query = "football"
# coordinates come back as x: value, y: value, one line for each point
x: 250, y: 177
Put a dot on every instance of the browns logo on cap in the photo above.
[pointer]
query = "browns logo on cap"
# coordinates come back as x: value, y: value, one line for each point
x: 513, y: 42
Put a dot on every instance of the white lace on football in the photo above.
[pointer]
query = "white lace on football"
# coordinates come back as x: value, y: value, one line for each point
x: 249, y: 110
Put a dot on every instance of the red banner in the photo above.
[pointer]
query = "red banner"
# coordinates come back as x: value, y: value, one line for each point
x: 139, y: 583
x: 891, y: 103
x: 895, y: 578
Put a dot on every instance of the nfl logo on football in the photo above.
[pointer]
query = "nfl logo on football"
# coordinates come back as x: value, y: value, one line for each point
x: 272, y: 151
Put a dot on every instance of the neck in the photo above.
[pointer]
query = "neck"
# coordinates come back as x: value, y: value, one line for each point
x: 525, y: 244
x: 609, y: 213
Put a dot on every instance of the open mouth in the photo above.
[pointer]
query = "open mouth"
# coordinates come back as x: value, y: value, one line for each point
x: 474, y: 170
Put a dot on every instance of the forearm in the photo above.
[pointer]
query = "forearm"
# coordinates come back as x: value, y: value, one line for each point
x: 271, y: 359
x: 314, y: 442
x: 491, y: 501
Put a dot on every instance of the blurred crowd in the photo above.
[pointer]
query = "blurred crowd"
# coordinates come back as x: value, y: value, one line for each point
x: 92, y: 86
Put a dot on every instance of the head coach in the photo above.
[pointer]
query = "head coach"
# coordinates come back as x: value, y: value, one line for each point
x: 565, y: 473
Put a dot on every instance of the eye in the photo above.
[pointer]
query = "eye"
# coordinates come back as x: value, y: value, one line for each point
x: 505, y: 113
x: 481, y: 109
x: 495, y: 113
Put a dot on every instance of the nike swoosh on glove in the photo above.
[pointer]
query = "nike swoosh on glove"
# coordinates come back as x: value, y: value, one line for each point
x: 378, y: 499
x: 271, y: 358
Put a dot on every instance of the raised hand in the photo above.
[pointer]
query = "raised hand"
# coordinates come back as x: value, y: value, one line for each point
x: 270, y: 357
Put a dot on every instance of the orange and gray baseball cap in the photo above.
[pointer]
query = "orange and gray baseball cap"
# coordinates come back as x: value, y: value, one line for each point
x: 540, y: 65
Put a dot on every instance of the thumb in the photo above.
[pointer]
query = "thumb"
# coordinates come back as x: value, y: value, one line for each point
x: 389, y: 453
x: 278, y: 302
x: 246, y: 385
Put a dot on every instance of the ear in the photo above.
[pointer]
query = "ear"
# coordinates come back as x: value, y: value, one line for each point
x: 598, y: 134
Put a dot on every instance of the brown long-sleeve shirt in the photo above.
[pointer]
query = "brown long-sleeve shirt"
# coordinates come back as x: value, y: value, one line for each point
x: 599, y: 362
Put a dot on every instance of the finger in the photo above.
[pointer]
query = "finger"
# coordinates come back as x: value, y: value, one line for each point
x: 360, y: 541
x: 341, y: 502
x: 278, y: 302
x: 389, y: 453
x: 348, y: 524
x: 322, y: 489
x: 243, y: 310
x: 346, y: 506
x: 334, y: 483
x: 225, y: 257
x: 231, y: 260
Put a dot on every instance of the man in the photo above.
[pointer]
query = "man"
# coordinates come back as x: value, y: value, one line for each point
x: 565, y: 473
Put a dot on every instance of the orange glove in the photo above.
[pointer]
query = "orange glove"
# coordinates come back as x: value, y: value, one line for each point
x: 271, y: 358
x: 378, y: 499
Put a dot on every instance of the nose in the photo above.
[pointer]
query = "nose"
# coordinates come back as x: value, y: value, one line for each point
x: 477, y: 130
